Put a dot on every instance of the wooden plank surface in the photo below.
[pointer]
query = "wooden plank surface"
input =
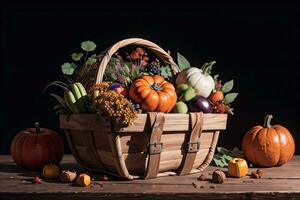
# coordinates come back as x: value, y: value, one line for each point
x: 173, y: 122
x: 278, y: 182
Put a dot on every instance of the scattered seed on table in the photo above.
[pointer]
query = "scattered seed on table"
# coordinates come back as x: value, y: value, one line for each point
x: 213, y: 186
x: 250, y: 181
x: 202, y: 177
x: 195, y: 185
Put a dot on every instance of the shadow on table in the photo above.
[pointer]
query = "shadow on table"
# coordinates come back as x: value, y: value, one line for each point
x: 28, y: 175
x: 12, y: 168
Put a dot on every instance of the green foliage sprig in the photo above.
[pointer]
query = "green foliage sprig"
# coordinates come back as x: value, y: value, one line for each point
x: 87, y: 46
x: 223, y: 156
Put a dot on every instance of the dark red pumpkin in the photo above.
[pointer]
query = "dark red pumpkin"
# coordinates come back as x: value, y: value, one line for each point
x: 33, y: 148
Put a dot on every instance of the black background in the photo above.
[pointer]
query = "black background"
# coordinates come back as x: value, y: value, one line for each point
x: 255, y: 44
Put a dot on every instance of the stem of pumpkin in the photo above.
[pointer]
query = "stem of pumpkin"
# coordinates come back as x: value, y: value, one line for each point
x: 267, y: 121
x: 37, y: 127
x: 37, y: 131
x: 207, y: 67
x: 155, y: 87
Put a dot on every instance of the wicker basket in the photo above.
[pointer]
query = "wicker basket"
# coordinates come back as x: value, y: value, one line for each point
x: 157, y: 144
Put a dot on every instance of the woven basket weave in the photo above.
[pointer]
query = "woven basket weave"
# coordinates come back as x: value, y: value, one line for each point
x: 157, y: 144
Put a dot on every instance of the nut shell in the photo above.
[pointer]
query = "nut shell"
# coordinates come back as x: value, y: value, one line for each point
x: 68, y: 176
x: 218, y: 176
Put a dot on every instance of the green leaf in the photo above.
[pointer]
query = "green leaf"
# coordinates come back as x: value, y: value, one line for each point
x: 57, y: 107
x: 165, y: 72
x: 91, y: 61
x: 76, y: 56
x: 227, y: 157
x: 230, y: 97
x: 222, y: 158
x: 126, y: 70
x: 183, y: 63
x: 60, y: 100
x: 88, y: 46
x: 68, y: 68
x: 225, y: 164
x: 222, y: 150
x: 237, y: 153
x: 113, y: 77
x: 60, y: 84
x: 61, y: 111
x: 227, y: 87
x: 218, y: 162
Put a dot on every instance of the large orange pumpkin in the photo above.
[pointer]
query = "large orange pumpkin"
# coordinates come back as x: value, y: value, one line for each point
x: 153, y: 93
x: 267, y: 145
x: 33, y: 148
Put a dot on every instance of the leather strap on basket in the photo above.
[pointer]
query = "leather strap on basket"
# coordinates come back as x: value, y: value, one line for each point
x: 193, y: 144
x: 155, y: 146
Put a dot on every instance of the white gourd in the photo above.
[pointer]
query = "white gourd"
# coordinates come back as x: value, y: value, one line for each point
x: 199, y: 80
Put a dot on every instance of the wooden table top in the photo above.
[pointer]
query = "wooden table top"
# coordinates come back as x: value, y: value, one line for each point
x: 278, y: 182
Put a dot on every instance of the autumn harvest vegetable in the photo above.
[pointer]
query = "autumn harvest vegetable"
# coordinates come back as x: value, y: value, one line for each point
x: 268, y: 145
x: 83, y: 180
x: 237, y: 167
x: 51, y: 171
x: 200, y: 104
x: 33, y: 148
x: 153, y: 93
x: 199, y: 79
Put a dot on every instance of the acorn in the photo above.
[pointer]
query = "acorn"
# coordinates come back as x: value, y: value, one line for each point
x: 68, y: 176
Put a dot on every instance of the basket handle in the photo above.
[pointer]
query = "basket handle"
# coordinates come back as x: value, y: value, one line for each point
x: 162, y: 54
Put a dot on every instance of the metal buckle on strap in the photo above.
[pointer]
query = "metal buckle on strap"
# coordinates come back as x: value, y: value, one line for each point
x: 191, y: 147
x: 155, y: 148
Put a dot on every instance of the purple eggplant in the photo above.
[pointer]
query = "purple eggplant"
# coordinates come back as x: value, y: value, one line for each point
x: 200, y: 104
x: 114, y: 86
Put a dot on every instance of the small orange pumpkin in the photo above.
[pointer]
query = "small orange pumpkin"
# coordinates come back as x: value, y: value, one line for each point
x: 50, y: 171
x: 217, y: 96
x: 83, y: 180
x: 267, y: 145
x: 237, y: 167
x: 153, y: 93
